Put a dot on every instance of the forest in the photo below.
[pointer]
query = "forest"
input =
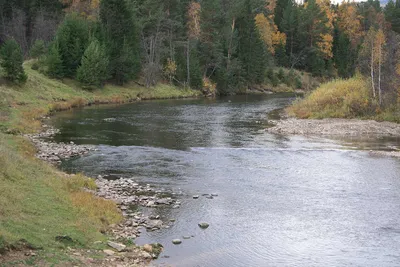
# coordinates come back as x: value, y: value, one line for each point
x: 225, y: 46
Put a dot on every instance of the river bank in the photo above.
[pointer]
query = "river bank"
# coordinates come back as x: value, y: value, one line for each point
x: 54, y: 202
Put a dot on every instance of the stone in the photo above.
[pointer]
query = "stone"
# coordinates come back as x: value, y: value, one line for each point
x: 154, y: 224
x: 148, y: 248
x: 162, y: 201
x: 186, y: 237
x: 119, y: 247
x: 150, y: 204
x: 146, y: 255
x: 214, y: 195
x: 176, y: 241
x: 195, y: 196
x: 176, y: 207
x: 108, y: 252
x: 203, y: 225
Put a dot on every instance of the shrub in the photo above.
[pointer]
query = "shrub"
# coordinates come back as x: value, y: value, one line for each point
x: 281, y: 75
x: 270, y: 74
x: 337, y: 99
x: 297, y: 83
x: 93, y: 69
x: 38, y: 49
x: 11, y: 62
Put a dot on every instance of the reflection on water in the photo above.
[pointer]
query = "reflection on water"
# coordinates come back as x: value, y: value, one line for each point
x: 282, y: 201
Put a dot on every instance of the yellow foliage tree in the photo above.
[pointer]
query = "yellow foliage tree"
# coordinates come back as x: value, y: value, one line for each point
x: 87, y: 8
x: 349, y: 22
x: 269, y: 32
x: 325, y: 45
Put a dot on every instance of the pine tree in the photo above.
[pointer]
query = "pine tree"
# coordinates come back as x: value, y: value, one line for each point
x: 38, y: 49
x: 72, y: 38
x: 93, y: 68
x: 252, y: 52
x: 117, y: 19
x: 55, y: 68
x: 344, y: 58
x: 289, y: 27
x: 392, y: 14
x: 11, y: 61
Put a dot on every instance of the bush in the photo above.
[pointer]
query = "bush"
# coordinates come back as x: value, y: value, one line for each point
x: 297, y: 83
x: 11, y: 62
x: 337, y: 99
x: 281, y: 76
x: 38, y: 49
x: 93, y: 69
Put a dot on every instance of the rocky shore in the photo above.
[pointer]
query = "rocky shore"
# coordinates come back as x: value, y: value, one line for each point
x: 130, y: 195
x: 55, y: 152
x: 137, y: 203
x: 338, y: 127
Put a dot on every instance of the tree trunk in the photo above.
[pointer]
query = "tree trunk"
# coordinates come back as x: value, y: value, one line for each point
x: 379, y: 75
x: 372, y: 68
x: 230, y: 46
x: 188, y: 62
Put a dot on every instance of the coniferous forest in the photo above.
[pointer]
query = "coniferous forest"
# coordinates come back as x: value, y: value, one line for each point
x: 225, y: 46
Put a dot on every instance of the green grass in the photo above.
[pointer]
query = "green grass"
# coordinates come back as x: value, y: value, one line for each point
x: 37, y: 202
x: 21, y: 106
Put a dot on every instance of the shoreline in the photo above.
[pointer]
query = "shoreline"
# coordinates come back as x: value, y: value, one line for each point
x: 23, y: 119
x: 333, y: 127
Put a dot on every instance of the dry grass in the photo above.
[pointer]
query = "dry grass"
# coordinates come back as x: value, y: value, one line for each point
x: 336, y: 99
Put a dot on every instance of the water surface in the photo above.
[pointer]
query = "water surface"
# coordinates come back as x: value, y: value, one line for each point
x: 282, y: 201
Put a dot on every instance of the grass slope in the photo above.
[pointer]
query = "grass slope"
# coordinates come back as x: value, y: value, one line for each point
x: 37, y: 202
x: 20, y: 106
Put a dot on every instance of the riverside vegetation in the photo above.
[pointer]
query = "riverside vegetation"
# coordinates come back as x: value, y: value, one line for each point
x: 114, y: 51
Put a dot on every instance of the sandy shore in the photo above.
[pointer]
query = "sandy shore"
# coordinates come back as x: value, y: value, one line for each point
x: 338, y: 127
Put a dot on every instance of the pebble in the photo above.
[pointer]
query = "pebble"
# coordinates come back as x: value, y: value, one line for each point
x: 196, y: 196
x: 109, y: 252
x: 176, y: 241
x: 203, y: 225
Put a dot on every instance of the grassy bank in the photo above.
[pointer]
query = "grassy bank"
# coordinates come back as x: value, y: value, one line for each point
x: 21, y: 106
x: 37, y: 202
x: 349, y: 98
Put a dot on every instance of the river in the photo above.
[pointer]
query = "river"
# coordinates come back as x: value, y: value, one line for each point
x: 282, y: 200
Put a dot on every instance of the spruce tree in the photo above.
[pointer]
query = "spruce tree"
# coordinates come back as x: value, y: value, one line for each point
x: 117, y: 19
x: 72, y: 37
x: 11, y: 61
x: 251, y: 49
x: 93, y: 68
x: 55, y: 68
x: 38, y: 49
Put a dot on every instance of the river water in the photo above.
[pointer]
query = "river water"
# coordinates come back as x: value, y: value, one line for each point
x: 282, y: 200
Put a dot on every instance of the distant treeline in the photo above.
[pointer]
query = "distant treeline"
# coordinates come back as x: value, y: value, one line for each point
x: 222, y: 45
